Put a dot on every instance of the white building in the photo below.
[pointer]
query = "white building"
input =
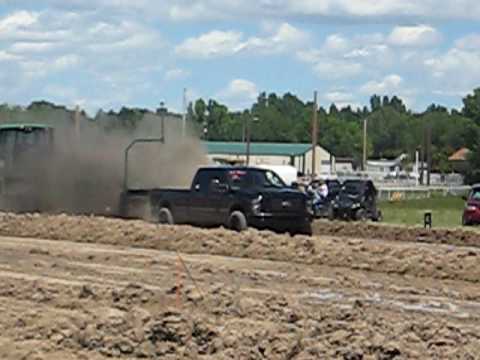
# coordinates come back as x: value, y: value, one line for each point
x: 298, y: 155
x: 386, y: 167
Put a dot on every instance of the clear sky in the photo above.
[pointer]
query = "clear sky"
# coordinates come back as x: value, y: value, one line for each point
x: 109, y: 53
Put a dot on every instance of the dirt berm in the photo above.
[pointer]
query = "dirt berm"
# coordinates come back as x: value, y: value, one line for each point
x: 457, y: 236
x: 96, y: 288
x: 391, y: 257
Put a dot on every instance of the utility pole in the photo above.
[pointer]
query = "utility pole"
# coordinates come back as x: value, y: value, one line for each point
x: 162, y: 111
x: 184, y: 116
x: 364, y: 163
x: 76, y: 120
x: 244, y: 127
x: 422, y: 159
x: 248, y: 140
x: 248, y: 134
x: 314, y: 134
x: 417, y: 166
x: 429, y: 153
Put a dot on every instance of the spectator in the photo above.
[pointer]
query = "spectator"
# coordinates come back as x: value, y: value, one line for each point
x: 323, y: 190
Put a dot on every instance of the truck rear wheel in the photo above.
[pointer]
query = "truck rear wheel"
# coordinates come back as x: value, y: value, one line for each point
x: 304, y: 229
x: 165, y: 216
x: 237, y: 221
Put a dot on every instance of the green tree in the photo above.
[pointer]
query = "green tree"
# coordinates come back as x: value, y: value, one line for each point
x: 471, y: 106
x: 375, y: 103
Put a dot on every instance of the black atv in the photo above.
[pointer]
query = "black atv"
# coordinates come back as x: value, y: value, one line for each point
x: 357, y: 200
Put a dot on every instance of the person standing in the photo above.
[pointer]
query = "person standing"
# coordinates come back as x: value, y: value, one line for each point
x: 323, y: 190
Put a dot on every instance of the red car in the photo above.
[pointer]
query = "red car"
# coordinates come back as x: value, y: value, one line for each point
x: 471, y: 214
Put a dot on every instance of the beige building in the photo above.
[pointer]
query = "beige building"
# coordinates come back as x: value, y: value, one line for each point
x: 298, y: 155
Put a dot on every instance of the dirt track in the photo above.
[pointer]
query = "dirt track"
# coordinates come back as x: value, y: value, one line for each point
x: 460, y: 236
x: 110, y: 291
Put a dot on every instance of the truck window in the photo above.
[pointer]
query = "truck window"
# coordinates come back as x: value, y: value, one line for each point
x: 239, y: 179
x: 204, y: 179
x: 215, y: 176
x: 268, y: 179
x: 200, y: 182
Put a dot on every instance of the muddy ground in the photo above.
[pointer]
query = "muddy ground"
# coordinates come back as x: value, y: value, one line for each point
x: 98, y: 288
x: 466, y: 236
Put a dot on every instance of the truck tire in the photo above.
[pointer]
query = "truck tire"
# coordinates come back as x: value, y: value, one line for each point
x: 237, y: 221
x: 304, y: 229
x: 165, y: 217
x: 361, y: 215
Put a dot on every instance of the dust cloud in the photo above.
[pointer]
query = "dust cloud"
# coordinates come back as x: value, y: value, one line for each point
x: 84, y: 173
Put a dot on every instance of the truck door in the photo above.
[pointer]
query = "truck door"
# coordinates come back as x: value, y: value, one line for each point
x: 198, y: 198
x: 218, y: 198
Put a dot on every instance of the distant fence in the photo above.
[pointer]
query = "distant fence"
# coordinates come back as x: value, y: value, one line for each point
x: 421, y: 192
x: 382, y: 180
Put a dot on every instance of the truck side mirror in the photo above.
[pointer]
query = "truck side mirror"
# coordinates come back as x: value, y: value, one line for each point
x: 295, y: 186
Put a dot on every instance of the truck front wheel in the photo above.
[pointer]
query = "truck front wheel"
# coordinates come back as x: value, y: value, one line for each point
x: 237, y: 221
x: 165, y: 217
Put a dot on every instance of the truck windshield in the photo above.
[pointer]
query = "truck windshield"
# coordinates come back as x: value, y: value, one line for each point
x: 241, y: 179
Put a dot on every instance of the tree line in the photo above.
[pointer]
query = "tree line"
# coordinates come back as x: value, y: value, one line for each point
x: 393, y: 129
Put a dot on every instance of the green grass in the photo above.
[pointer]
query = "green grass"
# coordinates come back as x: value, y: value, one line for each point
x: 446, y: 211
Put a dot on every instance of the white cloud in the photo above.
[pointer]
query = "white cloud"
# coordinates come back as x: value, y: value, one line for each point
x: 286, y: 37
x: 5, y: 56
x: 389, y: 84
x: 28, y: 26
x: 457, y: 94
x: 340, y: 56
x: 342, y: 99
x: 122, y: 36
x: 175, y: 74
x: 337, y: 69
x: 227, y: 43
x: 32, y: 47
x: 239, y: 93
x: 310, y: 55
x: 469, y: 42
x: 364, y: 11
x: 65, y: 94
x: 336, y: 43
x: 213, y: 44
x: 340, y: 10
x: 457, y: 67
x: 339, y: 96
x: 107, y: 57
x: 379, y: 8
x: 421, y: 35
x: 17, y: 21
x: 41, y: 68
x: 65, y: 62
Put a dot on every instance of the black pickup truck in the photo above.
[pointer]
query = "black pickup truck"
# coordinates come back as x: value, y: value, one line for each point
x: 234, y: 197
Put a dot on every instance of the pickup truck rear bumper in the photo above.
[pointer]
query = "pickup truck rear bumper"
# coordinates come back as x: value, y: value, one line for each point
x: 283, y: 223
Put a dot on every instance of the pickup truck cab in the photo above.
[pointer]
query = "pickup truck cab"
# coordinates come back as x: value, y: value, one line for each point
x: 234, y: 197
